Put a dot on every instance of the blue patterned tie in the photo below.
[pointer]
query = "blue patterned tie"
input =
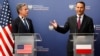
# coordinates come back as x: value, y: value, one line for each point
x: 25, y: 24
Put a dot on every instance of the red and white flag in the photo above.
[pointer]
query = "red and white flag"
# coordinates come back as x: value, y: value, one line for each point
x: 84, y: 49
x: 6, y: 39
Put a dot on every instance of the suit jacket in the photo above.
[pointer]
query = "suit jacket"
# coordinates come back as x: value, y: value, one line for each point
x: 19, y: 27
x: 71, y: 24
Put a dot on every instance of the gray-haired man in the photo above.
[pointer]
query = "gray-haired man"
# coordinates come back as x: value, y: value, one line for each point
x: 22, y: 24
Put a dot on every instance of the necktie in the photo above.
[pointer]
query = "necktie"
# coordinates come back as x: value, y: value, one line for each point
x: 79, y: 23
x: 25, y: 24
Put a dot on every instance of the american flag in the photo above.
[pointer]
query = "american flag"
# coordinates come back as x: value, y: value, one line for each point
x: 6, y: 39
x: 24, y: 49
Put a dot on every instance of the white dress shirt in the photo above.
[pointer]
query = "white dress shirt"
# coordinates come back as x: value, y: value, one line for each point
x: 23, y: 20
x: 81, y: 18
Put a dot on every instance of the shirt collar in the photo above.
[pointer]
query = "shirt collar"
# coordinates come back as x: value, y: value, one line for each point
x: 80, y: 16
x: 21, y: 17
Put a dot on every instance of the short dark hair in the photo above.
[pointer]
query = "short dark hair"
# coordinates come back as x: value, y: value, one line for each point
x: 81, y: 3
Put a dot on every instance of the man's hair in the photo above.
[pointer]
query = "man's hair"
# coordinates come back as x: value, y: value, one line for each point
x: 19, y: 6
x: 81, y: 3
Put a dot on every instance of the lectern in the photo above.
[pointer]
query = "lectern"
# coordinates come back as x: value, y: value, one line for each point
x: 26, y: 44
x: 83, y: 44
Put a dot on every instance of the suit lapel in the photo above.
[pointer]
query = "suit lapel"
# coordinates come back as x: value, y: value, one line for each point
x: 21, y: 21
x: 83, y: 22
x: 82, y: 25
x: 28, y: 23
x: 75, y: 23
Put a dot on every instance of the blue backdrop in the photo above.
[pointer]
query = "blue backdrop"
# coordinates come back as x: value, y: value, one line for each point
x: 43, y: 11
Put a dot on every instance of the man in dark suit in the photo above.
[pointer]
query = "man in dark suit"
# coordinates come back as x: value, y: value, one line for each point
x: 79, y: 23
x: 22, y: 24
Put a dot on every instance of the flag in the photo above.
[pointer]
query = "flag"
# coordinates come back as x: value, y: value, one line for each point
x: 23, y: 49
x: 84, y: 49
x: 6, y: 39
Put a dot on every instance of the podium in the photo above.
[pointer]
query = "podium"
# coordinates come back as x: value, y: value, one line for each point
x: 26, y: 44
x: 83, y: 44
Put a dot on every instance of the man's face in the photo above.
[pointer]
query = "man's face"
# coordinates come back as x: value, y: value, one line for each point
x: 24, y: 11
x: 80, y: 8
